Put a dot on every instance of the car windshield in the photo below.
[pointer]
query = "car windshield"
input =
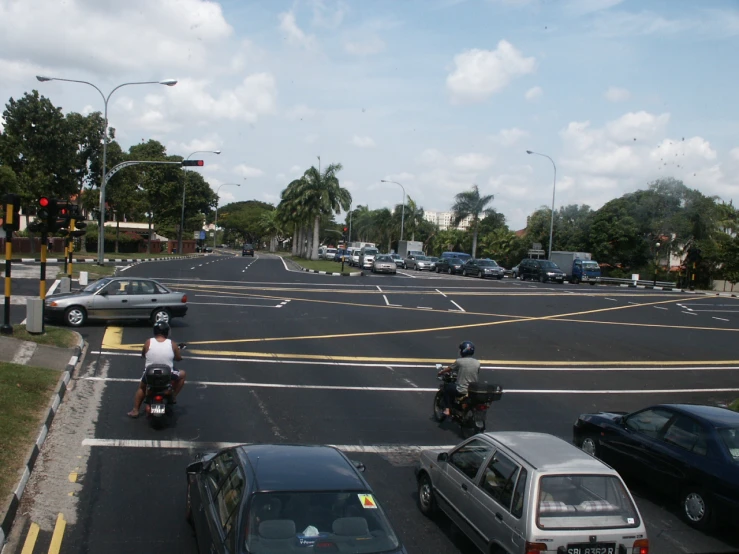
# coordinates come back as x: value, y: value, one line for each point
x: 383, y: 259
x: 370, y: 251
x: 280, y: 522
x: 590, y: 265
x: 421, y: 258
x: 486, y: 263
x: 546, y: 264
x: 730, y: 437
x: 584, y: 502
x: 248, y: 247
x: 433, y: 259
x: 96, y: 285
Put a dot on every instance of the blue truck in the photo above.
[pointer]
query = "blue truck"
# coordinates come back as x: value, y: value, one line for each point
x: 578, y: 266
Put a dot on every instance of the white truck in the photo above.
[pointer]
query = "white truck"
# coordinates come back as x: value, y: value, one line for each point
x: 578, y: 266
x: 405, y: 247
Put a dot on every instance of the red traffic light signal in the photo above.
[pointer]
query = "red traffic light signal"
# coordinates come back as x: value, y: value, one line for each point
x: 186, y: 163
x: 43, y: 202
x: 346, y: 229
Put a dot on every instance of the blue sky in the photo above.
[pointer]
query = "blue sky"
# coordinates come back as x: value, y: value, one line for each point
x: 436, y: 94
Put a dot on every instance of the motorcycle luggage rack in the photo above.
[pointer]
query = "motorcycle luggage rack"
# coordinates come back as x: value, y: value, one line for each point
x: 158, y: 375
x: 483, y: 392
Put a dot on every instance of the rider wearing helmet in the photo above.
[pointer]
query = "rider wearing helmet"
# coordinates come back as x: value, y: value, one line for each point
x: 159, y: 350
x: 467, y: 369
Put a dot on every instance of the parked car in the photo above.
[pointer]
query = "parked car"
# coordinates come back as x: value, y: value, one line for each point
x: 433, y: 260
x: 508, y: 491
x: 418, y: 262
x: 540, y: 270
x: 367, y: 257
x: 461, y: 255
x: 397, y: 259
x: 329, y: 253
x: 248, y: 250
x: 384, y: 264
x: 208, y: 249
x: 449, y: 264
x: 116, y: 298
x: 514, y: 271
x: 482, y: 268
x: 265, y: 498
x: 690, y: 452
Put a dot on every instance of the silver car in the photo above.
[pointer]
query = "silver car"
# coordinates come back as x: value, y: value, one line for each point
x: 518, y: 492
x: 117, y: 298
x: 417, y: 262
x: 384, y: 264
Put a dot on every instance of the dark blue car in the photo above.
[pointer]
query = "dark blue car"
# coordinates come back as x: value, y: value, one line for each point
x: 267, y: 499
x: 690, y: 452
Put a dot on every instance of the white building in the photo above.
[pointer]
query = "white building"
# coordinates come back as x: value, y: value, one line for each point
x: 445, y: 220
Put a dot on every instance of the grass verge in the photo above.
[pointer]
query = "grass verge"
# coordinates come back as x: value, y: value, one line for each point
x: 24, y: 398
x: 53, y: 336
x: 94, y: 271
x: 321, y: 265
x: 734, y: 405
x: 108, y: 255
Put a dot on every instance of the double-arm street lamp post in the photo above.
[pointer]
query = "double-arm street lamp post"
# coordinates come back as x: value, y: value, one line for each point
x: 101, y: 230
x: 215, y: 223
x: 402, y: 214
x: 184, y: 187
x: 554, y: 186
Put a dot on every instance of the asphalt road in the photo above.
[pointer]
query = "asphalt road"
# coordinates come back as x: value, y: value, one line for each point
x: 285, y: 356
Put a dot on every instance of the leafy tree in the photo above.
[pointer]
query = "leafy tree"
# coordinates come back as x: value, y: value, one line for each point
x: 471, y: 203
x: 244, y: 220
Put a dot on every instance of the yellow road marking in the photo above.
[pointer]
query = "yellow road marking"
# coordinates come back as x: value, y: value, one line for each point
x: 688, y: 327
x: 73, y: 477
x: 30, y: 542
x: 56, y: 537
x: 113, y: 337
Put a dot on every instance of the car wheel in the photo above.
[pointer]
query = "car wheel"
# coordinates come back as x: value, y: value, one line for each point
x: 438, y: 409
x: 696, y: 508
x: 405, y: 266
x: 188, y: 508
x: 449, y: 271
x: 464, y: 273
x: 160, y: 315
x: 500, y: 277
x: 574, y: 281
x: 589, y: 445
x: 481, y: 275
x: 75, y: 316
x: 542, y: 279
x: 426, y: 500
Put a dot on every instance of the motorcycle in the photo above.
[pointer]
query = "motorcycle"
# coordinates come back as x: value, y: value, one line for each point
x: 468, y: 411
x: 159, y: 392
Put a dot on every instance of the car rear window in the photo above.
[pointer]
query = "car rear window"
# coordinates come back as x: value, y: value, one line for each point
x: 334, y: 521
x: 584, y: 502
x: 730, y: 437
x: 248, y: 247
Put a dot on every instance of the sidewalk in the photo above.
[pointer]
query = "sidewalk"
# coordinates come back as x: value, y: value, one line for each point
x: 38, y: 355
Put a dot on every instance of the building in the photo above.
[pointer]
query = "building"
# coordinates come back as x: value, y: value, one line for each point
x: 445, y: 219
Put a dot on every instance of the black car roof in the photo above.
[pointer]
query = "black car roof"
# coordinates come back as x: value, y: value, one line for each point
x: 712, y: 415
x: 285, y: 467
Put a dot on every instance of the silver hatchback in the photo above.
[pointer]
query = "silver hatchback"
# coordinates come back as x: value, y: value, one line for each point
x: 519, y: 492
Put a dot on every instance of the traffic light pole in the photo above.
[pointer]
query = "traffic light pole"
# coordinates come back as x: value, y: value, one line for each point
x: 42, y: 280
x: 10, y: 224
x: 71, y: 250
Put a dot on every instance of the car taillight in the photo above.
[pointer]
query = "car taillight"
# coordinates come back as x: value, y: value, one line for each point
x: 641, y: 546
x: 158, y: 398
x: 481, y: 407
x: 534, y: 547
x: 184, y: 299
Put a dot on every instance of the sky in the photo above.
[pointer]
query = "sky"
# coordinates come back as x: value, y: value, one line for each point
x: 438, y: 95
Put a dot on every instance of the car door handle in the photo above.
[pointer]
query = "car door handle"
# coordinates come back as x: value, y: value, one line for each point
x: 498, y: 516
x: 124, y: 301
x: 153, y: 299
x: 464, y: 487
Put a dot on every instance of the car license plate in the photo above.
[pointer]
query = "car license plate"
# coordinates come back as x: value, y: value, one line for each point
x: 584, y: 277
x: 157, y: 409
x: 592, y: 548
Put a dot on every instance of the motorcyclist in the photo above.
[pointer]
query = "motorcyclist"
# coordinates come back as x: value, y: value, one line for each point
x: 159, y: 350
x: 468, y: 371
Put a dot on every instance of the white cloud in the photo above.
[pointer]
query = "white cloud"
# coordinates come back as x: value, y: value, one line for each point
x: 299, y: 111
x: 295, y: 169
x: 293, y: 33
x: 367, y: 47
x: 328, y: 14
x: 472, y: 162
x: 311, y: 139
x: 533, y: 93
x: 616, y: 94
x: 478, y: 74
x: 203, y: 145
x: 509, y: 137
x: 280, y: 177
x: 400, y: 177
x: 637, y: 125
x: 247, y: 171
x: 735, y: 153
x: 582, y: 7
x: 431, y: 156
x: 362, y: 142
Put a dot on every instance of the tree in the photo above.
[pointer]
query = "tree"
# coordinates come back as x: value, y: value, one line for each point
x: 470, y: 203
x: 244, y: 219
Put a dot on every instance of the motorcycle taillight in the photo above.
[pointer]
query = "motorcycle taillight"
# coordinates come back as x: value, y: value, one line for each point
x: 481, y: 407
x: 158, y: 398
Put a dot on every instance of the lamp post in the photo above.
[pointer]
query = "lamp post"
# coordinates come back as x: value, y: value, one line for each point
x: 554, y: 186
x: 215, y: 223
x: 184, y: 187
x: 101, y: 230
x: 656, y: 261
x: 402, y: 214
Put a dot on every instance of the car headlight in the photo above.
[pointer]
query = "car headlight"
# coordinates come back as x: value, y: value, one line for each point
x: 551, y: 273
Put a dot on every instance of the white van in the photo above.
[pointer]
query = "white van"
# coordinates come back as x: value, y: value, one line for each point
x: 367, y: 257
x: 330, y: 254
x: 321, y: 252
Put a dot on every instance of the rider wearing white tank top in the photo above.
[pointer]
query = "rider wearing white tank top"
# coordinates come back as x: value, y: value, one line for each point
x: 160, y: 353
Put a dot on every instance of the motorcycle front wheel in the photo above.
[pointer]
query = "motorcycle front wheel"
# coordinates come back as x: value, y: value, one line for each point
x: 438, y: 409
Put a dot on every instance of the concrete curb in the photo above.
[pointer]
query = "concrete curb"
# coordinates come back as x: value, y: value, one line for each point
x: 12, y: 506
x: 94, y: 260
x: 711, y: 293
x: 334, y: 273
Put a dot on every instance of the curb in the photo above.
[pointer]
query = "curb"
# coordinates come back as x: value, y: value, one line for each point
x: 94, y: 260
x: 334, y: 273
x: 711, y: 293
x: 12, y: 506
x: 649, y: 287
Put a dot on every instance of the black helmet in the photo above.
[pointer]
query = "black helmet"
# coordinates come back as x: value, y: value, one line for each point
x: 162, y: 328
x: 466, y: 348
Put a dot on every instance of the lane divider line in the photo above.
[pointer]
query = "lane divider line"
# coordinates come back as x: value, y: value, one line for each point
x: 461, y: 309
x: 31, y: 538
x: 58, y: 535
x: 441, y: 293
x: 721, y: 318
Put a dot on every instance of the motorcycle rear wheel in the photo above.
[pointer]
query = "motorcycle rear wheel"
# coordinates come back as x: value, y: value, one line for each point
x: 438, y: 410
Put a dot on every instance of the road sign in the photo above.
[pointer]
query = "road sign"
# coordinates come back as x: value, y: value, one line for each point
x: 196, y: 235
x: 202, y: 235
x: 536, y: 252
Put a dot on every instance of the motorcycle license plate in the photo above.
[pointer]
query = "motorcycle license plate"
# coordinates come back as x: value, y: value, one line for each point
x: 592, y: 548
x: 157, y: 409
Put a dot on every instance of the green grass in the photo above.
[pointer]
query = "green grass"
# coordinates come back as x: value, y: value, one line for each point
x: 53, y: 336
x: 24, y: 398
x: 734, y: 405
x: 94, y: 271
x: 320, y: 265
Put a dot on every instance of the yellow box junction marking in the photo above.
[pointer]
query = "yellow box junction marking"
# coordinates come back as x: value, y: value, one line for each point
x: 31, y: 538
x: 56, y: 537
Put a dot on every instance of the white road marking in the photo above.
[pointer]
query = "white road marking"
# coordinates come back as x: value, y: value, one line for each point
x: 461, y: 309
x: 689, y: 313
x: 611, y: 299
x: 378, y: 288
x: 441, y: 293
x: 424, y: 308
x: 202, y: 445
x: 284, y: 263
x: 721, y: 318
x: 387, y: 302
x: 411, y: 383
x: 408, y: 275
x: 411, y: 389
x: 192, y: 268
x: 636, y: 303
x: 715, y: 311
x: 271, y: 422
x: 658, y: 308
x: 53, y: 287
x: 24, y: 353
x: 229, y: 304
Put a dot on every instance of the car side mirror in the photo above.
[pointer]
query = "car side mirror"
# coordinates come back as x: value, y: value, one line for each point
x: 359, y: 465
x: 442, y: 457
x: 195, y: 467
x: 103, y: 292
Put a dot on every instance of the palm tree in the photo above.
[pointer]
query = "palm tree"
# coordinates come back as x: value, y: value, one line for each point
x: 271, y: 227
x: 470, y: 203
x: 320, y: 194
x: 413, y: 216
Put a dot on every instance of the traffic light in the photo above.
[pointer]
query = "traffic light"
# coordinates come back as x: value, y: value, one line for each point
x: 63, y: 215
x: 80, y: 229
x: 344, y: 235
x: 11, y: 221
x: 47, y: 214
x: 186, y: 163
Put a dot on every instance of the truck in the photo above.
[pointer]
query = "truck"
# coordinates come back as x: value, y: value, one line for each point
x: 359, y: 245
x: 578, y: 266
x: 405, y: 247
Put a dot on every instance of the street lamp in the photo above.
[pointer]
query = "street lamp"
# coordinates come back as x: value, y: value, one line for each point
x: 215, y: 223
x: 184, y: 187
x: 402, y: 215
x: 656, y: 261
x: 101, y: 230
x: 554, y: 186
